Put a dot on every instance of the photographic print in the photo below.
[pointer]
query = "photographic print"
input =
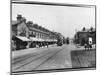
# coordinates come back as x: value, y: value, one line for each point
x: 52, y: 37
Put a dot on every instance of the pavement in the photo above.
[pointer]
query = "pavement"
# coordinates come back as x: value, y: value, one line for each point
x: 22, y: 52
x: 53, y: 57
x: 83, y: 58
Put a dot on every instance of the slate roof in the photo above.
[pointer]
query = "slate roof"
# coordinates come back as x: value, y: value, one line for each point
x: 15, y: 22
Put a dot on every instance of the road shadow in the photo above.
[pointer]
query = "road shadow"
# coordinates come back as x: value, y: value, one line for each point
x: 83, y: 58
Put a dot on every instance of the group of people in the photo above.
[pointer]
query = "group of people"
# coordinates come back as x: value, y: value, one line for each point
x: 41, y: 44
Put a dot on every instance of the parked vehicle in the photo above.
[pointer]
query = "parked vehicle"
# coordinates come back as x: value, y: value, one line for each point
x: 59, y: 42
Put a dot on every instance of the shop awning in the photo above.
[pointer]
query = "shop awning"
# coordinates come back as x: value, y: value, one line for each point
x: 36, y: 39
x: 23, y: 38
x: 51, y: 40
x: 39, y: 39
x: 55, y: 40
x: 48, y: 40
x: 33, y: 39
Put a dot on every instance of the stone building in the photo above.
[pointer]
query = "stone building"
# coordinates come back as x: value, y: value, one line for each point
x: 29, y: 34
x: 20, y: 33
x: 82, y: 37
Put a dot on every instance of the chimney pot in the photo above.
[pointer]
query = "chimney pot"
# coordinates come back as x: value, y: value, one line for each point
x: 19, y: 17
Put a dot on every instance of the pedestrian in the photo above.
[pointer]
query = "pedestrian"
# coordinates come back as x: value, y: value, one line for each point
x: 85, y: 45
x: 47, y: 44
x: 90, y: 43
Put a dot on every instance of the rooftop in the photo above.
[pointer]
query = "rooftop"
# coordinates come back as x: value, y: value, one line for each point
x: 14, y: 22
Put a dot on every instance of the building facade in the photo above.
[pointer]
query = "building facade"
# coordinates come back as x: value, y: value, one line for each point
x: 30, y: 34
x: 82, y: 37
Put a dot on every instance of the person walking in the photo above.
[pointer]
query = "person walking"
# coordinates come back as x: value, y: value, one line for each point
x: 90, y: 43
x: 85, y: 46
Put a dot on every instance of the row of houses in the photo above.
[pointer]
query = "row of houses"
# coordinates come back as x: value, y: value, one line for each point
x: 82, y: 37
x: 26, y: 34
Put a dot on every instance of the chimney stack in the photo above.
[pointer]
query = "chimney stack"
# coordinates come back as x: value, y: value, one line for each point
x: 19, y: 17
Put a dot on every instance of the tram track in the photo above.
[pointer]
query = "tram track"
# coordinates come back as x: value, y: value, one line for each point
x: 47, y: 59
x: 22, y: 58
x: 46, y: 53
x: 25, y: 62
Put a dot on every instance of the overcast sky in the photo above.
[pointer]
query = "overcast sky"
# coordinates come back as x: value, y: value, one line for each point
x: 63, y: 19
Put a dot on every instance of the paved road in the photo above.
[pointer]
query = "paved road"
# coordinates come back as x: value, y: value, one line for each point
x: 50, y: 58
